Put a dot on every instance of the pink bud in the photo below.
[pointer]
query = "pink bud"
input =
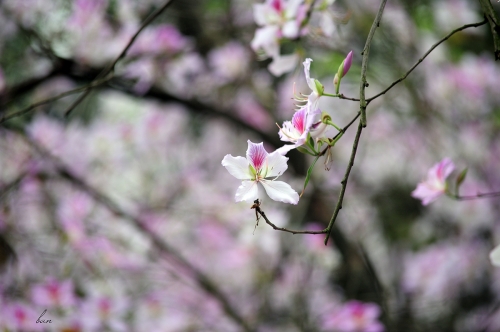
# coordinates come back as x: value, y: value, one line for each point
x: 347, y: 63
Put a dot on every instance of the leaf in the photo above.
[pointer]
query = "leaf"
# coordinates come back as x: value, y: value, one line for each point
x: 309, y: 171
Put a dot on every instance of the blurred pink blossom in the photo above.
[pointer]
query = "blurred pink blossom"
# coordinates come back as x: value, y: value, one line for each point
x: 229, y: 62
x: 54, y: 293
x: 20, y: 317
x: 435, y: 184
x: 354, y: 316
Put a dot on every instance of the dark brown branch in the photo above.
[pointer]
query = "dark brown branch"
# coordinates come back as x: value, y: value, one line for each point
x: 344, y: 183
x: 364, y: 63
x: 492, y: 18
x: 28, y: 109
x: 123, y: 53
x: 285, y: 229
x: 473, y: 25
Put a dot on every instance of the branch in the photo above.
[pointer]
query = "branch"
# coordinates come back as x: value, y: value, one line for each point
x: 28, y: 109
x: 111, y: 66
x: 477, y: 196
x: 344, y: 182
x: 204, y: 281
x: 494, y: 22
x: 473, y: 25
x: 364, y: 63
x: 285, y: 229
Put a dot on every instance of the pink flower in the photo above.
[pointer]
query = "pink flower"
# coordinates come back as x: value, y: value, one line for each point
x: 354, y: 316
x: 297, y: 130
x: 435, y: 184
x: 54, y: 293
x: 257, y: 167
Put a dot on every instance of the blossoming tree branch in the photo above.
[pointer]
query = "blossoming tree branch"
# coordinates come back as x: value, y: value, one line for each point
x: 280, y: 20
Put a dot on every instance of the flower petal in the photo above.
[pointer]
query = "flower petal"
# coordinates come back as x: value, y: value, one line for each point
x: 285, y: 148
x: 276, y: 164
x: 237, y: 167
x: 495, y: 256
x: 248, y: 191
x: 307, y: 68
x: 256, y: 155
x: 283, y: 64
x: 280, y: 191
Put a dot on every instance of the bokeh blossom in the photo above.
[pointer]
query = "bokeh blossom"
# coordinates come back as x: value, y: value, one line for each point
x: 354, y: 316
x: 435, y: 184
x: 257, y: 167
x: 278, y: 19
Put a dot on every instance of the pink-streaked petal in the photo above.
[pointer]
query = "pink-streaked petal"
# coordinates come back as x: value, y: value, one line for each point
x: 442, y: 170
x: 237, y: 167
x: 283, y: 64
x: 426, y: 194
x: 248, y: 191
x: 313, y: 116
x: 299, y: 120
x: 495, y: 256
x: 276, y: 164
x: 280, y: 191
x: 256, y: 155
x: 347, y: 63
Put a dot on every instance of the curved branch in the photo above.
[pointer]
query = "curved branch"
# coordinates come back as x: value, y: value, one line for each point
x: 112, y: 65
x: 473, y: 25
x: 364, y: 63
x: 28, y: 109
x: 344, y: 182
x: 288, y: 230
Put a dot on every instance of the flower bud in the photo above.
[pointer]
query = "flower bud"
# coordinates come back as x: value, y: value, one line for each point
x: 319, y: 87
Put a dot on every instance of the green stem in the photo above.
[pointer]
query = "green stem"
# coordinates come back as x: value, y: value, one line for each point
x: 330, y: 95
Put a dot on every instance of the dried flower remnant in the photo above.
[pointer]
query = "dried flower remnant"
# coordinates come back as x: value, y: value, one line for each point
x: 258, y: 167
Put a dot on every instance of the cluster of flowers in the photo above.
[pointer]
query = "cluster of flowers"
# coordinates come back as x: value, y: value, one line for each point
x: 279, y: 20
x: 306, y: 132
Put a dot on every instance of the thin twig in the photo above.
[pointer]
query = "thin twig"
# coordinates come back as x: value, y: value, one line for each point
x: 344, y: 183
x: 95, y: 83
x: 112, y: 65
x: 477, y: 196
x: 341, y: 96
x: 364, y: 64
x: 473, y: 25
x: 285, y: 229
x: 204, y: 281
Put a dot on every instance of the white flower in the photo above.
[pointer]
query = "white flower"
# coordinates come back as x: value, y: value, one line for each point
x: 297, y: 130
x: 259, y: 166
